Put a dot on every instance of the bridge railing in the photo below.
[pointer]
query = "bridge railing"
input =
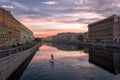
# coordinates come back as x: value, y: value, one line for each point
x: 14, y: 50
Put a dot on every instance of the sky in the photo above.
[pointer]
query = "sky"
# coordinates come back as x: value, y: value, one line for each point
x: 49, y: 17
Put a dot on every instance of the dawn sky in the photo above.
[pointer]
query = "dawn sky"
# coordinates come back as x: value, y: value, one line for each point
x: 48, y: 17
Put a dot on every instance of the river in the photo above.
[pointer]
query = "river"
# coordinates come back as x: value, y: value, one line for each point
x: 73, y: 63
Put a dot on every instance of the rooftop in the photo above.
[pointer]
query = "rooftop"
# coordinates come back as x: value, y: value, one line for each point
x: 103, y: 20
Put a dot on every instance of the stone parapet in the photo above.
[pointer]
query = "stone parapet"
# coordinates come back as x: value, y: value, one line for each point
x: 10, y: 62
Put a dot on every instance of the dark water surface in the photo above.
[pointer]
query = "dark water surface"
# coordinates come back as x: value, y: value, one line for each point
x: 73, y: 63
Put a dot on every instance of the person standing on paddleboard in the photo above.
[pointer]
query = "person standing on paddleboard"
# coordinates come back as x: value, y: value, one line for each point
x: 52, y: 57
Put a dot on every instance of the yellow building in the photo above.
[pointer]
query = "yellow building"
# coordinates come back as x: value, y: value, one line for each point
x: 12, y: 31
x: 9, y: 28
x: 26, y: 35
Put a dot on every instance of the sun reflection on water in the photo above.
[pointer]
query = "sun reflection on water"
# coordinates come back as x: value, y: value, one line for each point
x: 45, y: 52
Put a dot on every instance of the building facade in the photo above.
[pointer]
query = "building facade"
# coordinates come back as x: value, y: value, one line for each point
x: 107, y: 29
x: 86, y: 38
x: 26, y: 35
x: 10, y: 29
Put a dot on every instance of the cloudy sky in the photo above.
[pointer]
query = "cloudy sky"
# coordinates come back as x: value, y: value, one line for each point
x: 49, y: 17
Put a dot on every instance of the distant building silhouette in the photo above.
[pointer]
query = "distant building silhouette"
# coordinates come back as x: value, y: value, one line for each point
x: 66, y: 37
x: 86, y: 38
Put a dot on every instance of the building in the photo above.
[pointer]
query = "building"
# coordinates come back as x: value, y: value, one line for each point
x: 70, y: 36
x: 78, y: 37
x: 26, y: 35
x: 11, y: 30
x: 86, y: 38
x: 65, y: 37
x: 105, y: 30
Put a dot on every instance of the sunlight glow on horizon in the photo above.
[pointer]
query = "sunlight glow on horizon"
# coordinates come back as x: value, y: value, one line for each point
x: 48, y: 28
x: 49, y: 17
x: 46, y: 51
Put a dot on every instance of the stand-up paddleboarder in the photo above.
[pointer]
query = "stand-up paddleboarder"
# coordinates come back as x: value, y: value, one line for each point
x: 52, y: 58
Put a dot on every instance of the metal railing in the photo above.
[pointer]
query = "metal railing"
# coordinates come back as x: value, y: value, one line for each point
x: 15, y: 50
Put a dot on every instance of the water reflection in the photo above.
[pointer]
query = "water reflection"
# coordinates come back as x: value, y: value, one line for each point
x: 52, y: 64
x: 71, y: 63
x: 65, y: 47
x: 46, y: 51
x: 106, y: 58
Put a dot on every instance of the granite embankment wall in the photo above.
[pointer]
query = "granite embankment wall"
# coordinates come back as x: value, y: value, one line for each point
x: 11, y: 59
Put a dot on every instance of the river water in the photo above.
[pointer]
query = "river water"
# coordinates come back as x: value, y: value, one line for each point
x: 73, y: 63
